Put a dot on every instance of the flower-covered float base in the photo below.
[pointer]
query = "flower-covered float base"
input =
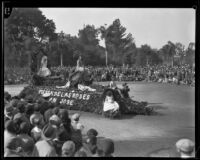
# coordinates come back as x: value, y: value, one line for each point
x: 74, y: 99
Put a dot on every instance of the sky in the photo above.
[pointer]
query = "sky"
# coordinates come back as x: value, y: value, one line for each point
x: 152, y: 26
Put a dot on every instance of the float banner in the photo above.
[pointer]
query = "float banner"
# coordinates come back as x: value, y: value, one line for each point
x: 73, y: 98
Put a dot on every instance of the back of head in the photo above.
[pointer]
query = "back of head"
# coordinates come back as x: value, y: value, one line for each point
x: 21, y: 107
x: 185, y: 146
x: 10, y: 126
x: 24, y: 128
x: 91, y: 132
x: 68, y: 149
x: 107, y: 145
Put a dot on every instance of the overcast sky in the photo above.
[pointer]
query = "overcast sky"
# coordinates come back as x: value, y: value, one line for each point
x: 148, y: 26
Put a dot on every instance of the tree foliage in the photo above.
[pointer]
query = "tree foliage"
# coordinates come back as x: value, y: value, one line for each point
x: 27, y: 30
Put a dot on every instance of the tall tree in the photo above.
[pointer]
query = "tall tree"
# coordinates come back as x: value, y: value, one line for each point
x: 23, y: 27
x: 118, y: 43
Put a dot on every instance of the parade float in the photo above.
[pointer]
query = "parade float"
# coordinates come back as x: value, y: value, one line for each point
x: 81, y: 95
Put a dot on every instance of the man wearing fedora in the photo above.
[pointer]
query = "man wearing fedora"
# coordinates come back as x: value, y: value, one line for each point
x: 185, y: 147
x: 45, y: 147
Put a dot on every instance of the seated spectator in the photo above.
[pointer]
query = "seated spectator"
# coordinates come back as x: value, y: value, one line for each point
x: 110, y: 107
x: 47, y: 114
x: 185, y: 148
x: 92, y: 132
x: 45, y: 147
x: 68, y: 149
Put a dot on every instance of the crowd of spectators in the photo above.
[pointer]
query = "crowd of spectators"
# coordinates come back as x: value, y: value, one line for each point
x: 38, y: 128
x: 183, y: 74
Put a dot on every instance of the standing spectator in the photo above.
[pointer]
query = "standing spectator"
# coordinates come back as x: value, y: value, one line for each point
x: 76, y: 123
x: 28, y: 142
x: 45, y: 147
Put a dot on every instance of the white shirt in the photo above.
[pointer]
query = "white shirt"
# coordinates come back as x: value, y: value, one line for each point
x: 108, y: 105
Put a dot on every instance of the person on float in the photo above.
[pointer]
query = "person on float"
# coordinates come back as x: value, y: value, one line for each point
x: 44, y: 71
x: 79, y: 68
x: 110, y: 106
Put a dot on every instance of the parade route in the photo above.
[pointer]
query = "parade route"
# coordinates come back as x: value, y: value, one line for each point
x: 146, y: 135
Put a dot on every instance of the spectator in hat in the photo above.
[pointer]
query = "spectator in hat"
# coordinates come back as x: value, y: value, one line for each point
x: 28, y: 142
x: 92, y: 132
x: 68, y: 149
x: 47, y: 114
x: 124, y: 91
x: 8, y: 112
x: 45, y: 147
x: 55, y: 121
x: 75, y: 122
x: 44, y: 106
x: 7, y: 96
x: 14, y: 148
x: 107, y: 146
x: 65, y: 120
x: 61, y: 137
x: 36, y: 131
x: 185, y: 147
x: 10, y: 132
x: 90, y: 147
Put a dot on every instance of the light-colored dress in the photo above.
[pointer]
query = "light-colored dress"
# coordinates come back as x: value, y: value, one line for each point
x: 44, y: 71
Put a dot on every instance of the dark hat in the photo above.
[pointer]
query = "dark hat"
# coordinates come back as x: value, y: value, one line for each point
x: 63, y: 114
x: 29, y: 98
x: 55, y: 110
x: 92, y: 140
x: 14, y: 102
x: 49, y: 132
x: 107, y: 145
x: 21, y: 106
x: 47, y: 114
x: 10, y: 126
x: 62, y: 135
x: 24, y: 127
x: 14, y: 143
x: 8, y: 109
x: 92, y: 132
